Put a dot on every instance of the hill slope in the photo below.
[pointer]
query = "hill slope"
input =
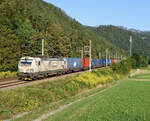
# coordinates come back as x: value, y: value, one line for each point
x: 24, y: 23
x: 120, y: 38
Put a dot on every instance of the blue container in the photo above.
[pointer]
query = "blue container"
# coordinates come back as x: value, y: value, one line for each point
x: 100, y: 62
x: 109, y: 61
x: 73, y: 63
x: 103, y: 62
x: 93, y: 62
x: 96, y: 62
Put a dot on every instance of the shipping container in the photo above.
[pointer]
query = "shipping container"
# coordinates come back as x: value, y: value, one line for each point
x: 109, y: 62
x: 93, y: 63
x: 115, y: 61
x: 85, y: 62
x: 96, y: 63
x: 73, y: 63
x: 103, y: 62
x: 100, y: 64
x: 112, y: 61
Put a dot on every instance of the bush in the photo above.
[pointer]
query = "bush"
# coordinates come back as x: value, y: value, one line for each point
x: 132, y: 62
x: 99, y: 76
x: 7, y: 74
x: 123, y: 67
x: 140, y: 60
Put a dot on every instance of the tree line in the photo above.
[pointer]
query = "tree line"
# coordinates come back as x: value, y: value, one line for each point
x: 24, y: 23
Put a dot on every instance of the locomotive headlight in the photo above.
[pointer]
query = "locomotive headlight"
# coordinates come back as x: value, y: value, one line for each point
x: 31, y: 70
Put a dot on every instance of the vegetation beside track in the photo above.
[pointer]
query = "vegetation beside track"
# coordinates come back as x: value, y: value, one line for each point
x: 7, y: 74
x: 56, y: 105
x: 31, y: 98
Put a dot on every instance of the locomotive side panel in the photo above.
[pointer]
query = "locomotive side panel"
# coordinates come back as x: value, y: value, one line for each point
x: 57, y: 65
x: 43, y: 66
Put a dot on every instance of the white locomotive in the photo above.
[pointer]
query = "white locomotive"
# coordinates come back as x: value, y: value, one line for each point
x: 39, y: 67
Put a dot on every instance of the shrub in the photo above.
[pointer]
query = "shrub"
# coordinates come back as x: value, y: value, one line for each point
x: 132, y: 62
x: 7, y: 74
x: 123, y: 67
x: 141, y: 61
x: 99, y: 76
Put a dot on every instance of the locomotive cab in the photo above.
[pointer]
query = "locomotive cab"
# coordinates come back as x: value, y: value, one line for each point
x: 28, y: 67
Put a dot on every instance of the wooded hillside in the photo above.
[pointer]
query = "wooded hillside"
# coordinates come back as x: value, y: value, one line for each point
x: 24, y: 23
x: 119, y: 37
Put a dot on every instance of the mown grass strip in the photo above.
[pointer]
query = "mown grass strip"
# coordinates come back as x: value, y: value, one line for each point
x: 129, y: 101
x: 142, y: 76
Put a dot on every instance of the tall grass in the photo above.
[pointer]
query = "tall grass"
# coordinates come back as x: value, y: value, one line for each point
x: 7, y: 74
x: 96, y: 77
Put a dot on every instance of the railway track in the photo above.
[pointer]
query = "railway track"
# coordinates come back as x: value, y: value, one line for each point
x: 17, y: 83
x: 12, y: 83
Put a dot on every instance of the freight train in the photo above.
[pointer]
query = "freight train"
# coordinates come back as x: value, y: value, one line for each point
x: 31, y: 68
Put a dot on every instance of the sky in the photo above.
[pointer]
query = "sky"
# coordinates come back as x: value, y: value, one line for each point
x: 128, y: 13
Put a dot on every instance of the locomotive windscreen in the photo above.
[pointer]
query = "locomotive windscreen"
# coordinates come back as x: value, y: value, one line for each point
x: 26, y: 62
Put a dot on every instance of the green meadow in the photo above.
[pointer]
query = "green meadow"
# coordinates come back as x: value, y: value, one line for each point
x: 128, y: 101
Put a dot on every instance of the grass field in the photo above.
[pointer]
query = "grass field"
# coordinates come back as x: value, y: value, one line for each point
x: 128, y: 101
x: 142, y: 76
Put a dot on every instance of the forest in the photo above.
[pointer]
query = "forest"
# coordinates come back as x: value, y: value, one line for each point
x: 119, y: 36
x: 24, y: 23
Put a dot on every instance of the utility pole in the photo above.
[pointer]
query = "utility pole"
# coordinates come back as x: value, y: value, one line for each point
x: 116, y: 58
x: 106, y: 56
x: 100, y: 55
x: 87, y: 49
x: 90, y: 55
x: 42, y: 47
x: 81, y: 52
x: 130, y: 45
